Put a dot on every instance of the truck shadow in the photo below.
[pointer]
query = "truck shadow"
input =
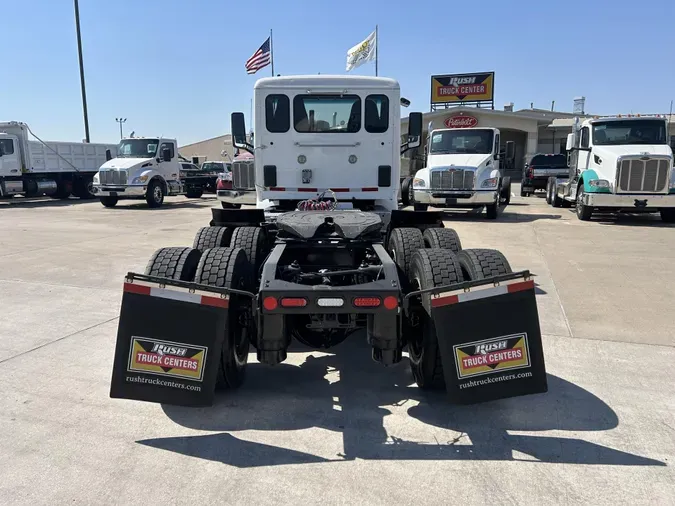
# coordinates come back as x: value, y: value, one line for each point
x: 504, y: 216
x: 351, y: 395
x: 30, y: 202
x: 37, y: 202
x: 632, y: 220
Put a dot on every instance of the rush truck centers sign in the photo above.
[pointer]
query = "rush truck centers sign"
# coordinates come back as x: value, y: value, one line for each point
x: 461, y: 121
x: 462, y: 88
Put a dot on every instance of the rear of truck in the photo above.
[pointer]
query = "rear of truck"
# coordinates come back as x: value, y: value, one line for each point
x: 330, y: 257
x: 539, y: 169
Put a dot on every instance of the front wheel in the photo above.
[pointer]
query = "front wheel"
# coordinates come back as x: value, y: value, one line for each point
x: 584, y: 212
x: 154, y: 195
x: 109, y: 201
x: 406, y: 191
x: 492, y: 210
x: 194, y: 193
x: 505, y: 192
x: 83, y: 188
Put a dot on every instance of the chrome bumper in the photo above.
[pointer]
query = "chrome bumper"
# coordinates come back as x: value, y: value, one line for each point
x: 121, y: 191
x: 455, y: 198
x: 633, y: 200
x: 244, y: 197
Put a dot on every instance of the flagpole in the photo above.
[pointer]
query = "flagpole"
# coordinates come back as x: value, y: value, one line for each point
x: 272, y: 53
x: 377, y: 43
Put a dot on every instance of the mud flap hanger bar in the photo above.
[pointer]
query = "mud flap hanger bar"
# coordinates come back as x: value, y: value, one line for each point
x: 164, y: 282
x: 466, y: 286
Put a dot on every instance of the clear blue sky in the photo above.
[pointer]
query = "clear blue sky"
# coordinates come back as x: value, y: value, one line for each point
x: 176, y: 67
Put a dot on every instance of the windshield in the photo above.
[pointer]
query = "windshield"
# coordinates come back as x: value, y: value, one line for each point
x: 613, y: 133
x: 216, y: 166
x: 327, y: 113
x: 549, y: 160
x: 462, y: 141
x: 137, y: 148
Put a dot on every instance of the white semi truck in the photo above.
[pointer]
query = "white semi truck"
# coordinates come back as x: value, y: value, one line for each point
x: 149, y: 168
x: 57, y: 169
x: 463, y: 170
x: 618, y: 164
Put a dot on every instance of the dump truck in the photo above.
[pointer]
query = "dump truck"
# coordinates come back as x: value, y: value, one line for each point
x: 34, y: 168
x: 618, y: 164
x: 326, y: 256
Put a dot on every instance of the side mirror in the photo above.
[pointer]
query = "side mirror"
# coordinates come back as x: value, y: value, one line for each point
x: 166, y: 155
x: 414, y: 130
x: 570, y: 142
x: 510, y: 150
x: 195, y: 160
x: 108, y: 155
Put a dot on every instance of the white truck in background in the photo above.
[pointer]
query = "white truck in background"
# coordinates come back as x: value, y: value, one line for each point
x: 618, y: 164
x: 34, y: 168
x: 150, y: 168
x: 463, y: 170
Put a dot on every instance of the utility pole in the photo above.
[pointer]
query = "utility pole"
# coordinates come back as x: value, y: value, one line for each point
x: 120, y: 121
x: 79, y: 52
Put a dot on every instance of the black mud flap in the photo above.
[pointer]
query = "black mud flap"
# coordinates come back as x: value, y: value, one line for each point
x: 169, y: 340
x: 489, y: 339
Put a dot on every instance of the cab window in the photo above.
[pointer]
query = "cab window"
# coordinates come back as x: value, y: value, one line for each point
x: 277, y: 113
x: 327, y: 113
x: 376, y: 114
x: 584, y: 137
x: 7, y: 146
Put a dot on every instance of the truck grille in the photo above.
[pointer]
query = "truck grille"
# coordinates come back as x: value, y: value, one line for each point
x: 113, y: 177
x: 649, y: 175
x: 243, y: 175
x: 452, y: 179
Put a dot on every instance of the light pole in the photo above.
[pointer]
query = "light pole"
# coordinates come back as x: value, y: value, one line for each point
x: 79, y: 52
x: 120, y: 121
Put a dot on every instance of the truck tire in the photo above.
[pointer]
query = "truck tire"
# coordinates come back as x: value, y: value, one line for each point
x: 583, y: 212
x: 174, y: 263
x: 668, y: 215
x: 549, y: 190
x: 253, y: 241
x: 403, y: 243
x: 443, y: 238
x: 83, y: 188
x: 227, y: 205
x: 154, y: 195
x: 212, y: 237
x: 482, y: 263
x: 194, y: 193
x: 429, y: 268
x: 505, y: 192
x: 406, y: 190
x: 555, y: 200
x: 63, y: 190
x: 109, y: 201
x: 492, y: 210
x: 229, y: 268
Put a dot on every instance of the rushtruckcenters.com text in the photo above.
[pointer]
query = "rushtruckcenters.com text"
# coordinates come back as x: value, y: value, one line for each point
x: 487, y: 381
x: 163, y: 383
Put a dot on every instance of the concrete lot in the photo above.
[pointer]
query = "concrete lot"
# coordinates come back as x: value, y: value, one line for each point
x: 337, y: 428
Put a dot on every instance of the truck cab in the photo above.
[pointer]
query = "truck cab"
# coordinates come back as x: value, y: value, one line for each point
x: 618, y: 164
x: 146, y: 168
x: 319, y: 135
x: 463, y: 171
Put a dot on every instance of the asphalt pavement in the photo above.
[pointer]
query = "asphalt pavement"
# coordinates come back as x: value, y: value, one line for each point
x: 337, y: 428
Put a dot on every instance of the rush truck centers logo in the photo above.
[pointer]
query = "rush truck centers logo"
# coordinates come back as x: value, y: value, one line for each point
x: 462, y: 88
x: 166, y: 358
x: 461, y: 121
x: 492, y: 355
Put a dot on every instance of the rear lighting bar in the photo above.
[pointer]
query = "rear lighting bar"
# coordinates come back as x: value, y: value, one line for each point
x: 271, y: 303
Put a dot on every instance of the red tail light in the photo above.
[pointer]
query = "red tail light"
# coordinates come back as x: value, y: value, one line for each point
x: 366, y: 302
x: 293, y: 302
x: 391, y: 302
x: 530, y: 171
x: 270, y: 303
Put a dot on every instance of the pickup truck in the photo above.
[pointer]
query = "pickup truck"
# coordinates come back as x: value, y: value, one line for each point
x: 540, y: 167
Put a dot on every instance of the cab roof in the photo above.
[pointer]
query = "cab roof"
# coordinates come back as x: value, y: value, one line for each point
x: 332, y: 82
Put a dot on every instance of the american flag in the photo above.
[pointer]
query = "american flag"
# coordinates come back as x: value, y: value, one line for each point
x: 261, y: 58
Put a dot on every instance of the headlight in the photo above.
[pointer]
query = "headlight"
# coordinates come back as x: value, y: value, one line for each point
x: 96, y: 179
x: 139, y: 180
x: 599, y: 183
x: 490, y: 183
x: 418, y: 183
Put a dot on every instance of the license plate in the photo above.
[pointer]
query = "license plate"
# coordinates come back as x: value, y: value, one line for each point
x: 113, y: 194
x: 450, y: 201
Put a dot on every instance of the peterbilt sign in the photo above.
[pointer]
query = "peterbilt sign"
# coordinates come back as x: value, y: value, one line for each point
x: 462, y: 88
x: 461, y: 121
